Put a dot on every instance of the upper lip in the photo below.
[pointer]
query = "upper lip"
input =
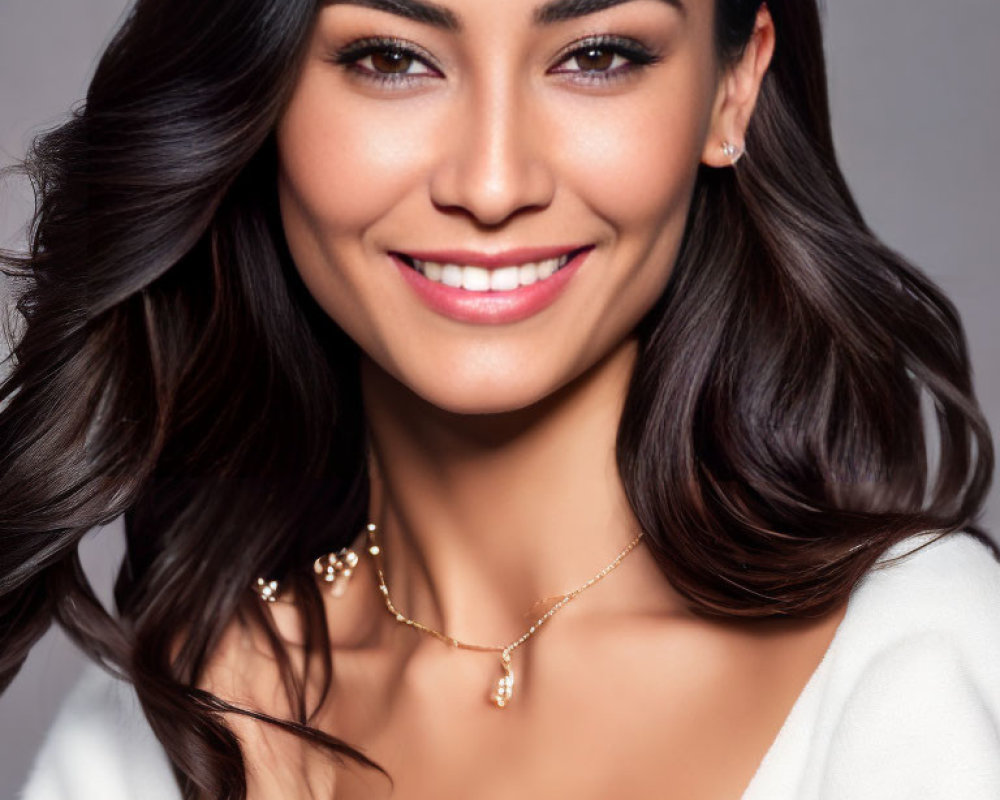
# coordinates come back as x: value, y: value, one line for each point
x: 506, y: 258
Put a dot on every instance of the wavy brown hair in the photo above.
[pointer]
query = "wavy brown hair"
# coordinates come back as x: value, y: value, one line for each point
x: 796, y: 382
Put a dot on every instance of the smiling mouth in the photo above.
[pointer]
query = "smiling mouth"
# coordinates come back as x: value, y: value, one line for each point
x: 474, y: 278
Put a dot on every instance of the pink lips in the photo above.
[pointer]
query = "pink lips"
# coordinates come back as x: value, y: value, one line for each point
x: 491, y: 307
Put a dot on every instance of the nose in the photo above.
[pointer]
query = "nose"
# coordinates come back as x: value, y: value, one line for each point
x: 493, y: 162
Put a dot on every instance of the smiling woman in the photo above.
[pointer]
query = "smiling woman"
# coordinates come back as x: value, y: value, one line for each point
x: 503, y: 399
x: 394, y: 150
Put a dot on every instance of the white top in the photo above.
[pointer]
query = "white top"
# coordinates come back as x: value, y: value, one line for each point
x: 905, y: 703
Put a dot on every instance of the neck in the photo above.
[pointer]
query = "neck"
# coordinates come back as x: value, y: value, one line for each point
x: 482, y: 517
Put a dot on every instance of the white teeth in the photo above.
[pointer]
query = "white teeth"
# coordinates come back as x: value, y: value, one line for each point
x: 451, y: 275
x: 475, y: 279
x: 433, y: 271
x: 505, y: 279
x: 479, y: 279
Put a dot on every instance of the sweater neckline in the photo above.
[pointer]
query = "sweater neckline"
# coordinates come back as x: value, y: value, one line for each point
x: 811, y: 687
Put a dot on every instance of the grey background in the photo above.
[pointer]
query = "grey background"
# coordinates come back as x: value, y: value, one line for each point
x: 915, y: 90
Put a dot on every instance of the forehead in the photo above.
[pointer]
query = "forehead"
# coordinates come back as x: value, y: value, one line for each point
x: 448, y: 16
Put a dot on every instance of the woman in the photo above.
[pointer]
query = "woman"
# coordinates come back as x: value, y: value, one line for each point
x: 552, y: 337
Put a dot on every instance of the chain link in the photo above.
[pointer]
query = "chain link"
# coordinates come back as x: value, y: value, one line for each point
x: 376, y: 552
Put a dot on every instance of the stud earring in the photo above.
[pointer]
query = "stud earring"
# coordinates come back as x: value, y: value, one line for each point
x: 267, y: 590
x: 733, y: 152
x: 336, y: 569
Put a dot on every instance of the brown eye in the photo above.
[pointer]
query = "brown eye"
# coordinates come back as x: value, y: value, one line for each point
x: 605, y: 59
x: 388, y: 63
x: 391, y: 61
x: 594, y: 59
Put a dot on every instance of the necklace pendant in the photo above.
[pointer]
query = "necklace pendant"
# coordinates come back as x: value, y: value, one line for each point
x: 505, y: 684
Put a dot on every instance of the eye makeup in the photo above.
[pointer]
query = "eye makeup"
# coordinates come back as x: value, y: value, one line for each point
x: 381, y: 52
x: 628, y: 58
x: 387, y: 61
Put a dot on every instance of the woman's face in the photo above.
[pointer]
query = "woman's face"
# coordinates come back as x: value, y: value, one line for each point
x: 475, y: 126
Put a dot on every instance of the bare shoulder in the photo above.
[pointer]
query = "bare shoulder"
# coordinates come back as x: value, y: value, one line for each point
x: 245, y: 671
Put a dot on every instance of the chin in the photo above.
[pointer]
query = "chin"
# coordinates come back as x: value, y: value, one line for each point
x: 484, y: 398
x: 488, y: 382
x: 464, y: 391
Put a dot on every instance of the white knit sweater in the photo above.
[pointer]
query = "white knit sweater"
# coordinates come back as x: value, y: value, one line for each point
x: 905, y: 704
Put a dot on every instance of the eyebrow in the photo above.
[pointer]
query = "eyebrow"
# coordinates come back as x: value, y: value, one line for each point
x: 437, y: 16
x: 562, y: 10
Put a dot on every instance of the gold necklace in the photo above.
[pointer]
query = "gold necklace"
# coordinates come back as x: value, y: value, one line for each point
x: 337, y: 569
x: 505, y: 684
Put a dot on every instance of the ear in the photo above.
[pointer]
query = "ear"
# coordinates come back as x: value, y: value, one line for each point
x: 739, y: 87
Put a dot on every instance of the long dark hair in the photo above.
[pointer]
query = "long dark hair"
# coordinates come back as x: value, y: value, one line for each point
x: 797, y: 380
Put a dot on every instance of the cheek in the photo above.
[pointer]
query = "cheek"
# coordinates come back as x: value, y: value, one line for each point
x: 634, y: 156
x: 341, y: 176
x: 338, y: 178
x: 648, y: 156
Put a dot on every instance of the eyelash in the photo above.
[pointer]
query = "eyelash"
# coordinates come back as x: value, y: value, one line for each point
x: 637, y: 54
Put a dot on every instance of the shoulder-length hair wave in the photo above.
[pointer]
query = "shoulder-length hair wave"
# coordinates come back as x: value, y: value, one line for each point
x: 797, y: 380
